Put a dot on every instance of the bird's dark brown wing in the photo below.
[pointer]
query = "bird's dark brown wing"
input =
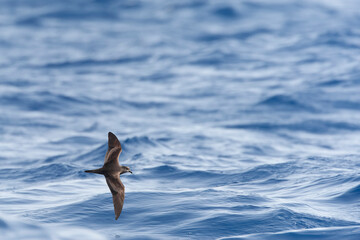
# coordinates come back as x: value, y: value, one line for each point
x: 112, y: 163
x: 118, y: 192
x: 113, y: 143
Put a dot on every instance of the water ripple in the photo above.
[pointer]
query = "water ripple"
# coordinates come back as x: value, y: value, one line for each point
x: 239, y: 120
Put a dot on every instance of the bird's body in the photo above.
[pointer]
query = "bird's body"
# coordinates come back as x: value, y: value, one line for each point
x: 112, y: 171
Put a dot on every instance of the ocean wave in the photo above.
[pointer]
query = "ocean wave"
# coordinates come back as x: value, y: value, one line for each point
x: 271, y: 221
x: 310, y: 126
x: 283, y: 102
x: 98, y: 62
x: 31, y: 230
x: 330, y: 233
x: 350, y: 195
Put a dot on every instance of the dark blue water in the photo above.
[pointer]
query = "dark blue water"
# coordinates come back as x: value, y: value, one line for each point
x: 239, y: 119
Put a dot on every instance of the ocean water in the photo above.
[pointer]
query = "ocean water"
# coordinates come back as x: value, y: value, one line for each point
x: 239, y: 119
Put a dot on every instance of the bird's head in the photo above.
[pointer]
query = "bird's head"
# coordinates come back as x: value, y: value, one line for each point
x: 125, y: 169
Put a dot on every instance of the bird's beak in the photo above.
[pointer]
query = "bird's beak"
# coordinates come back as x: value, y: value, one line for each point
x: 130, y: 171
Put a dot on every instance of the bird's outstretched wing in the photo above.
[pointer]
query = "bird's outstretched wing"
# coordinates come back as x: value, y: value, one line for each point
x: 118, y: 192
x: 113, y: 145
x: 112, y: 162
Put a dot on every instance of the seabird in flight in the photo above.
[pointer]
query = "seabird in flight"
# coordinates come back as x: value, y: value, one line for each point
x: 112, y: 171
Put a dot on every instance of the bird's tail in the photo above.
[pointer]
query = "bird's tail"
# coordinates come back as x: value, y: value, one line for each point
x: 98, y: 171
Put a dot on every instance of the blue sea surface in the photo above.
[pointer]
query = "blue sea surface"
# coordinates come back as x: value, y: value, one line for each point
x: 239, y: 119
